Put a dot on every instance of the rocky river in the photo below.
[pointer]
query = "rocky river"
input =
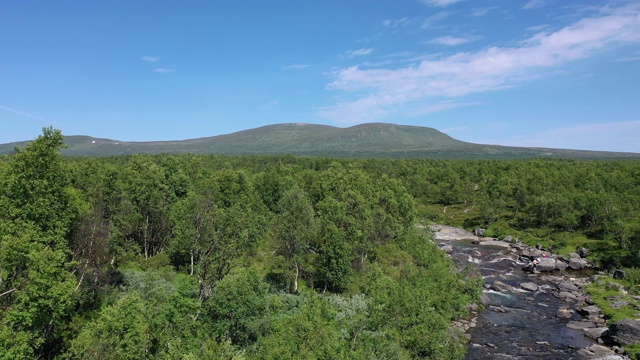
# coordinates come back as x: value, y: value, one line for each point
x: 527, y: 313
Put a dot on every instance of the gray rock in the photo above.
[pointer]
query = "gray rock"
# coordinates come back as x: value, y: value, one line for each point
x: 591, y: 310
x: 566, y: 295
x: 564, y: 313
x: 500, y: 286
x: 478, y: 232
x: 546, y: 264
x: 447, y: 248
x: 583, y: 252
x: 619, y: 274
x: 561, y: 265
x: 618, y: 304
x: 580, y: 325
x: 595, y: 333
x: 567, y: 285
x: 578, y: 264
x: 529, y: 286
x: 625, y: 332
x: 508, y: 238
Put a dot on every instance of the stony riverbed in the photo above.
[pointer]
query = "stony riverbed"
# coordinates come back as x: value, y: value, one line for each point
x: 541, y: 314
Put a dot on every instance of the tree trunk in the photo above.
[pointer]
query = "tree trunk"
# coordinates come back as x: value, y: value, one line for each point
x: 295, y: 280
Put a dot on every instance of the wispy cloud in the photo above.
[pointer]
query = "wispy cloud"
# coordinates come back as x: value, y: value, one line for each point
x: 432, y: 21
x: 163, y: 70
x: 438, y: 107
x: 358, y: 52
x: 20, y: 112
x: 453, y: 40
x: 613, y: 136
x: 397, y: 23
x: 150, y: 59
x: 440, y: 3
x: 295, y: 67
x: 534, y: 4
x: 483, y: 11
x: 379, y: 92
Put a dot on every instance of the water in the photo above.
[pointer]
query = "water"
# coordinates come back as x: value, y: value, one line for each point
x: 518, y: 324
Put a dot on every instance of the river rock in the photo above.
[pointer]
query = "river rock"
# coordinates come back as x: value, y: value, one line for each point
x: 508, y: 238
x: 491, y: 242
x: 591, y: 310
x: 529, y: 286
x: 546, y: 264
x: 625, y: 332
x: 580, y: 325
x: 567, y: 296
x: 578, y: 264
x: 561, y: 265
x: 567, y: 285
x: 595, y: 333
x: 478, y: 232
x: 500, y: 286
x: 564, y: 313
x: 447, y: 248
x: 598, y: 352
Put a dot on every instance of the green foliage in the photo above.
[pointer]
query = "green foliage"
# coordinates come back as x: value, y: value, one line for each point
x: 37, y: 210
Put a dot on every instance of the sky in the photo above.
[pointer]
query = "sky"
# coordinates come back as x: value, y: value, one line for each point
x: 544, y: 73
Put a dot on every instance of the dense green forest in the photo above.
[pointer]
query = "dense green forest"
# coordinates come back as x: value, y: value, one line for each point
x: 272, y: 257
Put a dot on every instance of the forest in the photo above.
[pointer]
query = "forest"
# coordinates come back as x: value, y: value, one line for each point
x: 272, y: 257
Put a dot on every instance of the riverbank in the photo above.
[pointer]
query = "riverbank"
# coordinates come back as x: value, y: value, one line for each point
x: 529, y: 313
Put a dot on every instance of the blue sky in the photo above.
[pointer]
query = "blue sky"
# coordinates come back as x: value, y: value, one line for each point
x: 549, y: 73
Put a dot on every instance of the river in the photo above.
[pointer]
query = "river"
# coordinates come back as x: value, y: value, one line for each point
x: 517, y: 323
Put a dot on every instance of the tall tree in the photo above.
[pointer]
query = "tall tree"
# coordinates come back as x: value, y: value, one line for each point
x: 295, y: 228
x: 37, y: 210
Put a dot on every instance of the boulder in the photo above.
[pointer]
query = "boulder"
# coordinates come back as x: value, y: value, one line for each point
x: 619, y: 274
x: 546, y: 264
x: 500, y: 286
x: 561, y: 265
x: 508, y: 238
x: 567, y: 285
x: 595, y: 333
x: 590, y: 310
x: 478, y: 232
x: 625, y: 332
x: 578, y: 264
x: 529, y: 286
x: 583, y: 252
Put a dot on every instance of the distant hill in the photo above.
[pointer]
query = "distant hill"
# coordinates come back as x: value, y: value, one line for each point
x: 361, y: 141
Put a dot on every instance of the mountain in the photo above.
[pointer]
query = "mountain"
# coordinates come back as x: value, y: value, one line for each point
x: 361, y: 141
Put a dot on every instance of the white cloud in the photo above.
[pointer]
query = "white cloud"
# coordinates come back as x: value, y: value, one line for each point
x: 150, y: 59
x: 387, y: 90
x: 534, y: 4
x: 295, y: 67
x: 613, y: 136
x: 163, y: 70
x: 439, y: 3
x: 452, y: 40
x: 358, y: 52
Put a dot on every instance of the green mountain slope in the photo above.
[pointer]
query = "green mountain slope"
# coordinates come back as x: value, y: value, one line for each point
x: 367, y: 140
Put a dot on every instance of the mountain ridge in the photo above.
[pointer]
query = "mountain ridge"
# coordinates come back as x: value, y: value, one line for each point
x: 369, y: 140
